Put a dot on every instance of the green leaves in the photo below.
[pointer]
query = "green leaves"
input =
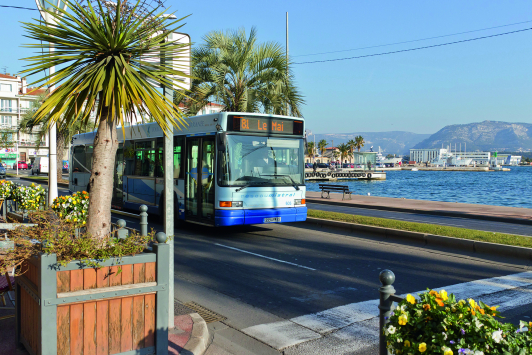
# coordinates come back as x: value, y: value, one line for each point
x: 104, y: 60
x: 232, y: 69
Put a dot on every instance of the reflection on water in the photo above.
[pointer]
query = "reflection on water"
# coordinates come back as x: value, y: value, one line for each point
x: 508, y: 188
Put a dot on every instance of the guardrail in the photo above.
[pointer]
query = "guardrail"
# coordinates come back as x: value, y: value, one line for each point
x: 387, y: 298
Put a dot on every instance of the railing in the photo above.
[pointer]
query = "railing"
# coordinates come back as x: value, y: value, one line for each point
x: 387, y: 298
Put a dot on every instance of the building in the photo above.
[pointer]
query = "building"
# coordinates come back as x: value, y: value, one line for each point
x: 507, y: 159
x: 15, y: 101
x: 427, y: 155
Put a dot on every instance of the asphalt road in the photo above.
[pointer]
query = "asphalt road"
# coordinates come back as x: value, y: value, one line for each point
x: 483, y: 225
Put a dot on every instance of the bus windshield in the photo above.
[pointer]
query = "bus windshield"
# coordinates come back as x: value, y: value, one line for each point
x: 258, y: 161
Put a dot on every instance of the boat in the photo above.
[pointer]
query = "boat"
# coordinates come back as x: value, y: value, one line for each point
x: 415, y: 169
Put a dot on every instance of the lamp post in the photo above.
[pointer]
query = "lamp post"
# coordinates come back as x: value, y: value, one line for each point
x: 46, y: 7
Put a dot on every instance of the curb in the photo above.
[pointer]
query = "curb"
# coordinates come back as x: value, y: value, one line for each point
x: 413, y: 210
x: 431, y: 239
x: 199, y: 338
x: 43, y: 182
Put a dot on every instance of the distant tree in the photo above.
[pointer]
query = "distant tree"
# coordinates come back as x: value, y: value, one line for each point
x: 359, y: 140
x: 311, y: 149
x: 336, y: 154
x: 344, y: 151
x: 389, y: 156
x: 352, y: 145
x: 322, y: 146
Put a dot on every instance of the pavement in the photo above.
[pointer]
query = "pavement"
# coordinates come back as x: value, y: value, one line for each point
x: 464, y: 210
x: 189, y: 337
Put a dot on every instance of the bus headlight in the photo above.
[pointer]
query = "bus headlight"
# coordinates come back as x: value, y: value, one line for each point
x: 300, y: 202
x: 238, y: 204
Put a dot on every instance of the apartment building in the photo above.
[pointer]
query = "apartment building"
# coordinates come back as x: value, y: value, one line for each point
x: 15, y: 101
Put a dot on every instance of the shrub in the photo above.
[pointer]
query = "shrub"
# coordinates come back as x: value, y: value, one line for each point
x: 55, y: 236
x: 29, y: 198
x: 437, y: 323
x: 73, y: 208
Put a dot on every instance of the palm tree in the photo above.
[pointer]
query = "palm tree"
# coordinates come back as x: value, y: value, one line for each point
x: 359, y: 140
x: 344, y: 150
x: 105, y: 58
x: 352, y: 145
x: 322, y: 145
x: 311, y: 150
x: 232, y: 69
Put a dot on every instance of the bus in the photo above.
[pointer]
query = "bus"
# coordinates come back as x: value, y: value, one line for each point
x: 229, y: 169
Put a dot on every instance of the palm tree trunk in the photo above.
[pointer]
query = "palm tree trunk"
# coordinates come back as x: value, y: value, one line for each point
x: 101, y: 180
x: 60, y: 154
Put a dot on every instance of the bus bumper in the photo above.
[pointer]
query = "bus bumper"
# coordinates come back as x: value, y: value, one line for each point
x: 258, y: 216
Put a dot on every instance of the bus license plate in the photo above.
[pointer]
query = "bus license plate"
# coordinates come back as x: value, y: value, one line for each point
x: 272, y: 219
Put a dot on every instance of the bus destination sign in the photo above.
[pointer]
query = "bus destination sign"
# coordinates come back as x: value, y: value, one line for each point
x: 266, y: 125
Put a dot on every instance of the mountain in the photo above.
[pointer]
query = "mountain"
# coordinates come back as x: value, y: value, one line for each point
x: 484, y: 136
x: 393, y: 142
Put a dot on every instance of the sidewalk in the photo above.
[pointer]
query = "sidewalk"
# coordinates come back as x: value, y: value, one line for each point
x: 464, y: 210
x: 190, y: 335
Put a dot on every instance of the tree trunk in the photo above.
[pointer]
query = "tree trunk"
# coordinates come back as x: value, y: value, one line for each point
x: 60, y: 154
x: 101, y: 180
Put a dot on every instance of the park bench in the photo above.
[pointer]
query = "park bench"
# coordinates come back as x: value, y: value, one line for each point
x: 344, y: 189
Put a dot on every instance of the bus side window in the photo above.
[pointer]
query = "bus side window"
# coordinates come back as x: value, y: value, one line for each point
x: 179, y: 172
x: 79, y: 160
x: 88, y: 157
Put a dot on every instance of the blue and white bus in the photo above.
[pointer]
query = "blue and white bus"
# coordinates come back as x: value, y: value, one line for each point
x: 229, y: 169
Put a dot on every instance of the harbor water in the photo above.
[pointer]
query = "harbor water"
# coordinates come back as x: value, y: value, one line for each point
x: 510, y: 188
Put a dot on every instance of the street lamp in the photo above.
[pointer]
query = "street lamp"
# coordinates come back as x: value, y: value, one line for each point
x: 47, y: 9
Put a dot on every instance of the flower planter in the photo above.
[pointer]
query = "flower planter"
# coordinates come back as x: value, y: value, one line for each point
x: 121, y: 308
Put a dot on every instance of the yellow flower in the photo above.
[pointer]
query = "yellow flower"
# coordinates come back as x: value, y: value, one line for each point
x: 84, y: 222
x: 422, y: 347
x: 426, y: 307
x: 530, y: 325
x: 403, y: 319
x: 443, y: 295
x: 434, y: 293
x: 411, y: 299
x: 407, y: 344
x: 60, y: 215
x: 448, y: 352
x: 472, y: 303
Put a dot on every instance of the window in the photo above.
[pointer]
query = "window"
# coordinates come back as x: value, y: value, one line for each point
x: 179, y: 172
x: 79, y: 160
x: 144, y: 158
x: 5, y: 121
x: 6, y: 87
x: 5, y: 106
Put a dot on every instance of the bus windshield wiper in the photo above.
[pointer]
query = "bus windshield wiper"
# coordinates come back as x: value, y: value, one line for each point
x: 250, y: 184
x: 294, y: 184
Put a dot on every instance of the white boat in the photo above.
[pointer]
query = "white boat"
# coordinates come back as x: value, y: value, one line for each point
x: 415, y: 169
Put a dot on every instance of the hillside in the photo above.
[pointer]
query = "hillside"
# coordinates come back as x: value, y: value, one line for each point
x: 483, y: 136
x: 393, y: 142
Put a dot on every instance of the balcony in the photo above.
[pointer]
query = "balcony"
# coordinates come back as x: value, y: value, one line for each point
x: 14, y: 110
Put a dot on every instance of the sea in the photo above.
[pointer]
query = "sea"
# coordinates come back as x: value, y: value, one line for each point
x: 498, y: 188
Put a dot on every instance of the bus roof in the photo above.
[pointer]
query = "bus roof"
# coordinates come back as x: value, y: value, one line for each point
x: 196, y: 124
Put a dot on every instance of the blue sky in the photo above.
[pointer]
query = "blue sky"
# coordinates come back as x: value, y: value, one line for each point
x: 420, y: 91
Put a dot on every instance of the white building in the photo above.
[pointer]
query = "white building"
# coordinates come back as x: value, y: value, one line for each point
x: 15, y: 100
x: 508, y: 159
x: 428, y: 155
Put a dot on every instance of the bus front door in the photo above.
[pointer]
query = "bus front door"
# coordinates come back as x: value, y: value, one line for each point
x: 199, y: 205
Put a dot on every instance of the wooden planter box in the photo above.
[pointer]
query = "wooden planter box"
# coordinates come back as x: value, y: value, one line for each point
x: 80, y: 310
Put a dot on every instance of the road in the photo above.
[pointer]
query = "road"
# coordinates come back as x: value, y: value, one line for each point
x: 483, y: 225
x: 301, y: 289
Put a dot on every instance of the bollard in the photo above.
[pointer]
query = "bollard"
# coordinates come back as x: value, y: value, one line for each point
x: 121, y: 232
x: 386, y: 278
x: 143, y: 220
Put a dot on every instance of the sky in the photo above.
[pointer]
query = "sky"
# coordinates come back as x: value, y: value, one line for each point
x: 418, y: 91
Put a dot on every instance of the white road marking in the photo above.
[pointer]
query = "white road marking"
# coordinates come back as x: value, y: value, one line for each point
x: 265, y: 257
x: 355, y: 326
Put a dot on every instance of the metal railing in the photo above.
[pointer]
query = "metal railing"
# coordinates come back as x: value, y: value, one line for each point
x: 387, y: 298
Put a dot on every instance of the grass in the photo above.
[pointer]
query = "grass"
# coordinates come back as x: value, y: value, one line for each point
x: 29, y: 177
x: 455, y: 232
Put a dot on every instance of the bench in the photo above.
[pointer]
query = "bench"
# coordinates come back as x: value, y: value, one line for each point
x: 344, y: 189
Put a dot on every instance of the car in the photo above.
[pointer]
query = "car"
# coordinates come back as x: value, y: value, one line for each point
x: 40, y: 165
x: 322, y: 166
x: 21, y: 165
x: 2, y: 172
x: 4, y: 165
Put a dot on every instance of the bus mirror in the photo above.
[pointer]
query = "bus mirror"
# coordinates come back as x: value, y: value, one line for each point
x: 222, y: 142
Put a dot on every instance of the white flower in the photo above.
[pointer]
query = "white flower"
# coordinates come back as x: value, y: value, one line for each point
x: 390, y: 330
x: 497, y: 336
x: 477, y: 352
x: 444, y: 336
x: 478, y: 324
